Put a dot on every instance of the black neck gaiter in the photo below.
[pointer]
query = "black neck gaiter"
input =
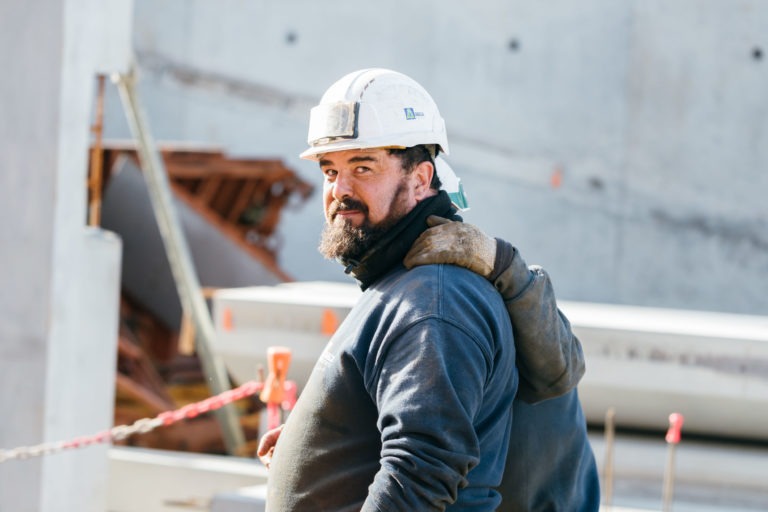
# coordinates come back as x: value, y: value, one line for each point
x: 394, y: 245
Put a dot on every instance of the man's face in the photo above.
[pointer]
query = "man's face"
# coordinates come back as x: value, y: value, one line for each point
x: 365, y: 192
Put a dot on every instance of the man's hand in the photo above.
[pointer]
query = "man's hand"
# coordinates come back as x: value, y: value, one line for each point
x: 267, y: 445
x: 455, y: 243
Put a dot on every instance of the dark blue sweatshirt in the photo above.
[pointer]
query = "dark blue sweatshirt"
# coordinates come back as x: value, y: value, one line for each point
x: 409, y: 407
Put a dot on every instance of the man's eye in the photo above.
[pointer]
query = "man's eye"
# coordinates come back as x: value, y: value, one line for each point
x: 329, y: 173
x: 362, y: 169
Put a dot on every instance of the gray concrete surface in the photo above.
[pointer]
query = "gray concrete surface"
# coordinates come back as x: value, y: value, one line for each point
x: 621, y: 145
x: 60, y: 280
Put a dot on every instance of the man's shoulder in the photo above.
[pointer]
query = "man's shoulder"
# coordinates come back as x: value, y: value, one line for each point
x: 431, y: 275
x: 435, y: 296
x: 436, y: 287
x: 450, y: 277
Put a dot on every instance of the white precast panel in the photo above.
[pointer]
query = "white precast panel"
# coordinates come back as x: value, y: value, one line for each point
x: 648, y: 363
x: 300, y: 316
x: 644, y: 362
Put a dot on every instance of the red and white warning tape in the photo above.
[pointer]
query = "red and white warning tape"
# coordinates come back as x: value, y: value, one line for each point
x: 141, y: 426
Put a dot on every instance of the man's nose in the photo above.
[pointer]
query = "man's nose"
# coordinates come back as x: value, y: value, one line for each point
x: 341, y: 187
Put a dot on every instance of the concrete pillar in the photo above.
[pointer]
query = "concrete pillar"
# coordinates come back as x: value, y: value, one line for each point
x: 59, y: 279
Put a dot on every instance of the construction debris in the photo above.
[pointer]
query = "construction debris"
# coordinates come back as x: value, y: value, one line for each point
x: 235, y: 205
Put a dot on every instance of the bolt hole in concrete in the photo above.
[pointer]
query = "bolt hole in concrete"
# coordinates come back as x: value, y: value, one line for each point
x: 757, y: 53
x: 596, y: 183
x: 514, y: 45
x: 291, y: 37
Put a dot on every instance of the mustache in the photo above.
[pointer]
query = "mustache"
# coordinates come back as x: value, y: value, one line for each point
x: 347, y: 204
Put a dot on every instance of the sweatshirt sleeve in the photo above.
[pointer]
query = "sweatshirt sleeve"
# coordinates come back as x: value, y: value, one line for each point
x: 428, y: 388
x: 549, y: 356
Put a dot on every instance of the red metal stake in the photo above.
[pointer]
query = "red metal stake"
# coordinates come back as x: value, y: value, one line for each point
x: 273, y: 394
x: 673, y: 439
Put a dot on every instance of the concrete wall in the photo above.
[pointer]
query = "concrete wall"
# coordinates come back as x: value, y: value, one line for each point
x: 60, y: 280
x: 622, y: 145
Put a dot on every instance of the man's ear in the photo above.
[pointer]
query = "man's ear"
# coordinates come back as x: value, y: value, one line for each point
x: 422, y: 175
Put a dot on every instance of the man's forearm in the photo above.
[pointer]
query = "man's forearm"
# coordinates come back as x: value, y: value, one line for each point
x: 550, y: 357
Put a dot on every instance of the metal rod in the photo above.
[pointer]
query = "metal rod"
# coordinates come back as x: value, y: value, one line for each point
x: 97, y: 155
x: 610, y: 433
x: 669, y: 480
x: 179, y: 258
x: 673, y: 439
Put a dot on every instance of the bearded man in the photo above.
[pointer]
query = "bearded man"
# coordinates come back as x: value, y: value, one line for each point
x: 410, y: 406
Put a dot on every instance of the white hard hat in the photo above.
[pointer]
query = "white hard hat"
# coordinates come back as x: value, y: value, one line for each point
x: 374, y: 108
x: 451, y: 184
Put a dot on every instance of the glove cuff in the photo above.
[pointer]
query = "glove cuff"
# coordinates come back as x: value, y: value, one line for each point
x: 505, y: 253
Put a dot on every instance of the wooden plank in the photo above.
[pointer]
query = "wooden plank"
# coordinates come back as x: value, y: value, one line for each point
x: 210, y: 188
x: 258, y: 253
x: 132, y: 389
x: 243, y: 200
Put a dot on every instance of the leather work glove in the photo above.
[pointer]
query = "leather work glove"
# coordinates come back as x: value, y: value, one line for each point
x: 454, y: 243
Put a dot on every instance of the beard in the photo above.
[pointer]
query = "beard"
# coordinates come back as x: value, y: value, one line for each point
x: 343, y: 241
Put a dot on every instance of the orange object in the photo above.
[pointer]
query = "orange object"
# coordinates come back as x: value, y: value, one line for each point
x: 226, y: 319
x: 278, y: 360
x: 329, y: 323
x: 675, y: 425
x: 557, y: 177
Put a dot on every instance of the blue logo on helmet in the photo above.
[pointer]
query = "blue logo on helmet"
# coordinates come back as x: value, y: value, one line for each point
x: 411, y: 114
